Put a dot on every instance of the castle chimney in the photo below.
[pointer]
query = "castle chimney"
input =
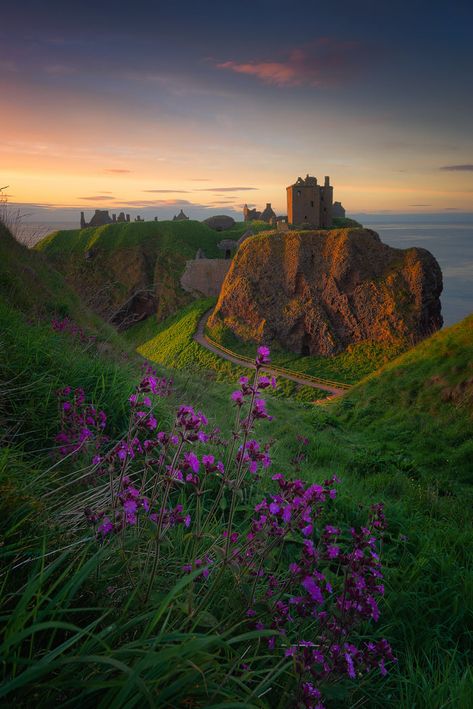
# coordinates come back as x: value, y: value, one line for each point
x: 268, y: 205
x: 114, y: 217
x: 327, y: 181
x: 82, y: 220
x: 128, y: 217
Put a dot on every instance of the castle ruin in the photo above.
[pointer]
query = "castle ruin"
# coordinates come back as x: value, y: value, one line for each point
x: 309, y: 203
x: 338, y: 210
x: 181, y: 217
x: 102, y: 218
x: 252, y: 215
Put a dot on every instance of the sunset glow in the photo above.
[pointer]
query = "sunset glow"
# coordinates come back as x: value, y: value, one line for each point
x: 170, y: 110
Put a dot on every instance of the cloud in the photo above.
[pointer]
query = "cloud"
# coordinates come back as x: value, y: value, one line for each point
x: 161, y: 203
x: 169, y: 191
x: 325, y: 62
x: 451, y: 209
x: 116, y: 170
x: 200, y: 179
x: 225, y: 189
x: 419, y: 205
x: 97, y: 198
x: 271, y: 72
x: 457, y: 168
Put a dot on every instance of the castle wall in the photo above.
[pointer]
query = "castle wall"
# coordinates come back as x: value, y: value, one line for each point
x: 205, y: 276
x: 303, y: 204
x: 326, y: 204
x: 338, y: 210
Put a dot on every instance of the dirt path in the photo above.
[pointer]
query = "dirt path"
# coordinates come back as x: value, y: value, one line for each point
x: 313, y: 382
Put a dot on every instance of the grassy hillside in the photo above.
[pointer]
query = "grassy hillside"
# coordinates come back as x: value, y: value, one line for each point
x: 344, y: 223
x: 172, y: 344
x: 36, y: 359
x: 109, y: 264
x: 424, y: 400
x: 348, y: 367
x: 408, y: 435
x: 404, y: 435
x: 72, y: 627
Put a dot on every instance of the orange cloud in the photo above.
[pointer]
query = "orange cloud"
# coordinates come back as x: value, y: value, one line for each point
x: 270, y: 72
x: 324, y: 62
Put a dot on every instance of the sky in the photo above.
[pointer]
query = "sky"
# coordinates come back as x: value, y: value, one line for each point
x: 150, y: 107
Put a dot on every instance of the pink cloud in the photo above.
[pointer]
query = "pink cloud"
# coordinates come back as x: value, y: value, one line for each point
x: 270, y: 72
x: 325, y: 62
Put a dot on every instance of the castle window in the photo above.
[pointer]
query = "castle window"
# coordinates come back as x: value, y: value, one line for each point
x: 298, y: 193
x: 311, y: 202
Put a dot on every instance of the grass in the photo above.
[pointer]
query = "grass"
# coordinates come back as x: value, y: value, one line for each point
x: 172, y: 344
x: 397, y: 437
x: 181, y: 237
x: 344, y: 223
x: 35, y: 361
x: 348, y: 367
x: 402, y: 436
x: 423, y: 400
x: 109, y: 264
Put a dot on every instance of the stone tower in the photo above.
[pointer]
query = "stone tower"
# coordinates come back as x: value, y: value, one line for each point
x: 326, y: 204
x: 308, y: 203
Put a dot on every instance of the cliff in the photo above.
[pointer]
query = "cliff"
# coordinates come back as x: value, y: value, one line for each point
x: 128, y: 271
x: 318, y: 292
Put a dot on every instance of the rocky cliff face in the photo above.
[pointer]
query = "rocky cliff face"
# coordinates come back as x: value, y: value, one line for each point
x: 318, y: 292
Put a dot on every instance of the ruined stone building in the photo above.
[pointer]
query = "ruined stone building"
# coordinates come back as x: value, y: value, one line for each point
x: 309, y: 203
x: 102, y: 217
x: 181, y: 217
x: 338, y: 210
x: 252, y: 215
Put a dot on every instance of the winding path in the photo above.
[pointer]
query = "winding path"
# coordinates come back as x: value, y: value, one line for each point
x: 335, y: 388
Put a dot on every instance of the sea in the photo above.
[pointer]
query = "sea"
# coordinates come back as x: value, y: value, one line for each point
x: 450, y: 243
